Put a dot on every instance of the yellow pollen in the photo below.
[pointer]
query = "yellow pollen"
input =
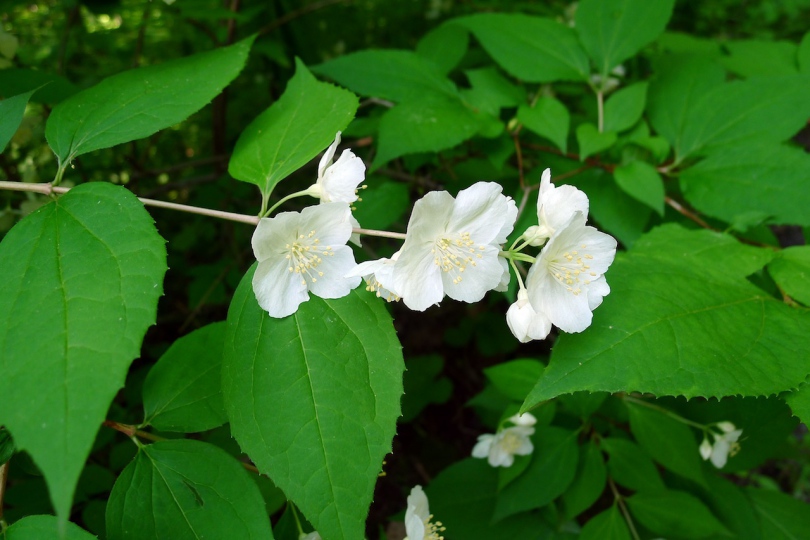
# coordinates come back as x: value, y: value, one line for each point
x: 454, y: 253
x: 305, y: 255
x: 571, y: 271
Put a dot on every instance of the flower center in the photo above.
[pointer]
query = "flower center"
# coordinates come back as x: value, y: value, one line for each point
x: 454, y: 253
x: 372, y: 285
x: 572, y: 270
x: 305, y: 254
x: 511, y: 443
x: 433, y: 530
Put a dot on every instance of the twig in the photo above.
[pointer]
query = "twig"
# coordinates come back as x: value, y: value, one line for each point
x: 205, y: 30
x: 309, y: 8
x: 623, y: 508
x: 688, y: 213
x: 519, y: 156
x: 3, y: 478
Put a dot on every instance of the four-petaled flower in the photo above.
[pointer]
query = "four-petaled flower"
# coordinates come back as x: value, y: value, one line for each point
x: 418, y: 525
x: 725, y: 444
x: 501, y: 448
x: 338, y: 181
x: 302, y: 252
x: 566, y: 283
x: 555, y: 206
x: 452, y: 246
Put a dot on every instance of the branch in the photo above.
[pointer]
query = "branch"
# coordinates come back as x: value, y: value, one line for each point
x: 309, y: 8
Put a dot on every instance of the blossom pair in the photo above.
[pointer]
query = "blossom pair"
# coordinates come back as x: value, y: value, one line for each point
x: 725, y: 444
x: 566, y: 282
x: 501, y: 448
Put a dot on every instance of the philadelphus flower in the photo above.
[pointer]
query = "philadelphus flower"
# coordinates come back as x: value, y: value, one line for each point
x: 525, y: 323
x: 379, y: 277
x: 418, y: 518
x: 311, y: 536
x: 725, y: 444
x: 566, y: 283
x: 452, y: 246
x: 501, y: 448
x: 302, y: 252
x: 338, y: 181
x: 555, y: 206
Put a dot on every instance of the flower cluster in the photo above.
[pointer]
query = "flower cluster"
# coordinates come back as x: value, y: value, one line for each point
x: 419, y: 523
x: 454, y: 246
x: 725, y: 444
x: 501, y: 448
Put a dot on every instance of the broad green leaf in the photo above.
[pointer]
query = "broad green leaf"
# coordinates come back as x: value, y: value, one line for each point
x: 791, y: 271
x: 183, y: 391
x: 551, y: 471
x: 548, y: 118
x: 623, y: 109
x: 759, y: 110
x: 729, y: 503
x: 588, y: 484
x: 292, y: 131
x: 432, y: 124
x: 591, y: 141
x: 137, y: 103
x: 616, y: 212
x: 749, y: 58
x: 445, y: 46
x: 383, y: 203
x: 631, y: 466
x: 678, y: 42
x: 423, y: 385
x: 533, y: 49
x: 799, y: 402
x: 614, y: 30
x: 98, y: 265
x: 495, y: 88
x: 680, y: 83
x: 313, y: 399
x: 388, y: 74
x: 186, y: 489
x: 12, y: 110
x: 663, y: 512
x: 680, y: 308
x: 515, y: 378
x: 641, y: 181
x: 49, y: 88
x: 607, y: 525
x: 583, y: 404
x: 767, y: 179
x: 803, y: 54
x: 462, y: 497
x: 670, y: 442
x: 782, y: 517
x: 44, y: 527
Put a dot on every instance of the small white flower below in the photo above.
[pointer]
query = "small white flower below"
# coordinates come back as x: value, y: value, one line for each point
x: 418, y: 524
x: 725, y: 444
x: 501, y: 448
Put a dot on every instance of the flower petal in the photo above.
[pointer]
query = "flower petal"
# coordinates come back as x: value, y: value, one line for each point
x: 326, y: 160
x: 330, y: 221
x: 476, y: 280
x: 482, y: 211
x: 340, y: 180
x: 278, y: 291
x: 334, y: 283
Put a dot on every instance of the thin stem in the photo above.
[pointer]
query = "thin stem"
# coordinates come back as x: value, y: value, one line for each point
x: 3, y: 478
x: 620, y: 501
x: 517, y: 274
x: 519, y: 156
x: 132, y: 431
x: 295, y: 516
x: 511, y: 255
x: 600, y: 104
x: 381, y: 234
x: 283, y: 200
x: 688, y: 213
x: 664, y: 411
x: 526, y: 191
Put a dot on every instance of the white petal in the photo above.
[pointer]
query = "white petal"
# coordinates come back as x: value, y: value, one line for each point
x: 330, y: 221
x: 597, y: 290
x: 333, y: 283
x: 503, y: 284
x: 525, y: 419
x: 720, y: 452
x: 525, y: 323
x: 417, y: 279
x: 326, y: 160
x: 278, y: 291
x: 340, y: 180
x: 418, y: 503
x: 560, y: 204
x: 429, y: 218
x: 273, y: 233
x: 726, y: 426
x: 475, y: 280
x: 565, y: 310
x: 499, y: 458
x: 312, y: 536
x: 705, y: 449
x: 482, y: 211
x: 414, y: 528
x: 481, y: 448
x: 355, y: 237
x: 509, y: 221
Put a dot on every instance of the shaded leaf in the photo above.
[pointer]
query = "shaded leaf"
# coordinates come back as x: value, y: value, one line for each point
x: 607, y: 525
x: 588, y: 484
x: 548, y: 118
x: 591, y: 141
x: 623, y: 109
x: 631, y: 466
x: 760, y: 58
x: 663, y: 512
x: 515, y: 378
x: 48, y: 88
x: 781, y: 516
x: 445, y: 46
x: 791, y: 271
x: 44, y: 527
x: 12, y: 110
x: 641, y: 181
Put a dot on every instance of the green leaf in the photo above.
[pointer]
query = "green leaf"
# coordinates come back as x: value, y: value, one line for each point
x: 313, y: 399
x: 462, y: 497
x: 44, y: 527
x: 729, y: 503
x: 445, y: 46
x: 760, y: 58
x: 424, y: 385
x: 641, y: 181
x: 533, y: 49
x: 551, y: 471
x: 588, y: 484
x: 515, y: 378
x: 607, y: 525
x: 384, y: 203
x: 548, y: 118
x: 799, y: 402
x: 680, y: 308
x: 11, y: 114
x: 631, y: 466
x: 98, y: 265
x: 781, y: 516
x: 623, y: 109
x: 48, y: 88
x: 137, y: 103
x: 292, y: 131
x: 7, y: 448
x: 769, y: 179
x: 185, y: 489
x: 583, y: 404
x: 495, y: 88
x: 791, y: 271
x: 591, y: 141
x: 803, y: 54
x: 663, y: 513
x: 614, y: 30
x: 388, y: 74
x: 183, y: 391
x: 670, y: 442
x: 432, y: 124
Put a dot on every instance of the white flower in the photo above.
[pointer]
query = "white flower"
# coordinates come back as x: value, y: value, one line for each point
x: 501, y: 448
x: 452, y: 246
x: 525, y: 419
x: 555, y: 206
x: 725, y: 444
x: 302, y: 252
x: 566, y: 283
x: 311, y: 536
x: 525, y: 323
x: 418, y: 524
x: 337, y: 182
x: 379, y: 277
